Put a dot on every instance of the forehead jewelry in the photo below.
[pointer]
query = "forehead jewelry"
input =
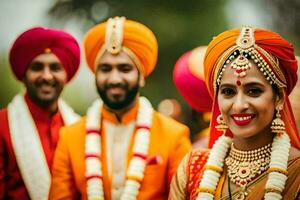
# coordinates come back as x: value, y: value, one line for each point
x: 241, y: 64
x: 245, y: 50
x: 241, y: 55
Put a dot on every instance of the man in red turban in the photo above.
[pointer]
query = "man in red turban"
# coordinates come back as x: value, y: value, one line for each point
x: 44, y: 60
x: 122, y: 149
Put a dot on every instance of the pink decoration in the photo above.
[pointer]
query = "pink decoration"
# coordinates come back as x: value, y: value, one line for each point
x: 189, y: 85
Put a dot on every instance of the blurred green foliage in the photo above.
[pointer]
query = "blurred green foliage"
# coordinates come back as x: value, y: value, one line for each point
x: 178, y: 25
x: 8, y: 84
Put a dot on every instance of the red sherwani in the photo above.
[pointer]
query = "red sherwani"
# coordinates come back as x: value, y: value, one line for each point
x: 11, y: 182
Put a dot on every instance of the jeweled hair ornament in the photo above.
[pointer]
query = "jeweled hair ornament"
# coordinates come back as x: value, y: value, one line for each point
x: 244, y: 50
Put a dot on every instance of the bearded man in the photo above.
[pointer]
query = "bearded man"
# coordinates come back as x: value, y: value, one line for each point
x: 122, y: 149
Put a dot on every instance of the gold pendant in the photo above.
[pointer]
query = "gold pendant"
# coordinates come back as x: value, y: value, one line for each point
x: 244, y: 170
x: 242, y: 195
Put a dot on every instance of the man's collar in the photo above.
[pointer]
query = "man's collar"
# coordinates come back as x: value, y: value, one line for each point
x: 37, y: 112
x: 126, y: 117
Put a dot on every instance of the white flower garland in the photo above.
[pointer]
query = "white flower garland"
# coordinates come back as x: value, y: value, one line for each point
x: 277, y: 169
x: 137, y: 164
x: 28, y: 148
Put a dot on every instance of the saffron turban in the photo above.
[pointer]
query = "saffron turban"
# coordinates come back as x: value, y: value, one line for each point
x: 188, y: 76
x: 135, y: 37
x: 285, y: 70
x: 39, y: 40
x: 271, y: 42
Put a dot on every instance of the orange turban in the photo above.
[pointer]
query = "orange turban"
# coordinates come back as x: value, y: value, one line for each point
x: 271, y: 42
x: 270, y: 46
x: 135, y: 37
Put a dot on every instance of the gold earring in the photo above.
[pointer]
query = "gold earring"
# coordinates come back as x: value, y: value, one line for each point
x: 221, y: 124
x: 278, y: 126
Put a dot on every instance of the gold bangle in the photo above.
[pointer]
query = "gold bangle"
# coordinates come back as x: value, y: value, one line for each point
x: 214, y: 168
x: 275, y: 190
x: 275, y: 169
x: 206, y: 190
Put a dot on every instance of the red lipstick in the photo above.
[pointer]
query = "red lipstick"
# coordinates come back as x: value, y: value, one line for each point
x: 242, y: 119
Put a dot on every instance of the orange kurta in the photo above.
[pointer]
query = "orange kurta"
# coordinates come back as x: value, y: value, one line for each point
x: 169, y: 140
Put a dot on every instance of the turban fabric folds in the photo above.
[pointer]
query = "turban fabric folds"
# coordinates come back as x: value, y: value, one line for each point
x: 295, y: 99
x: 136, y: 37
x: 275, y: 46
x: 188, y: 76
x: 39, y: 40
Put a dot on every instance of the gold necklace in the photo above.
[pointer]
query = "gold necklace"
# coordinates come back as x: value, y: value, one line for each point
x: 245, y: 166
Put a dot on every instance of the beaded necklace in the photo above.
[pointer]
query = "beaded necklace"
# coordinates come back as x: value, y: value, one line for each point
x: 277, y: 172
x: 245, y: 166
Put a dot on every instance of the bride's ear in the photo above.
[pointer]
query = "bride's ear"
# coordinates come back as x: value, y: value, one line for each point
x: 279, y: 101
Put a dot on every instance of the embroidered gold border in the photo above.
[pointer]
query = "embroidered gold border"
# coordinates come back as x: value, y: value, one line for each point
x: 221, y: 63
x: 275, y: 64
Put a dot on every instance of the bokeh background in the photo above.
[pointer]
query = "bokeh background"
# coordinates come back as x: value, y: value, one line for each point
x: 179, y: 26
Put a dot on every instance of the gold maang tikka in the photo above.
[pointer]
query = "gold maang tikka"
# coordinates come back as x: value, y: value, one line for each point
x: 241, y: 64
x: 245, y: 50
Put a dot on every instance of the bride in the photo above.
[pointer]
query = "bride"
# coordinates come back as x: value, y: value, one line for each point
x: 255, y: 143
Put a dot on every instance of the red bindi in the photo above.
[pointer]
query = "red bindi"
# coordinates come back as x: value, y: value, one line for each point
x: 238, y: 82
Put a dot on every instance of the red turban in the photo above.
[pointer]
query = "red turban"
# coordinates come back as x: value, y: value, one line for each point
x: 275, y: 46
x: 295, y: 99
x: 188, y: 77
x: 39, y: 40
x: 136, y: 37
